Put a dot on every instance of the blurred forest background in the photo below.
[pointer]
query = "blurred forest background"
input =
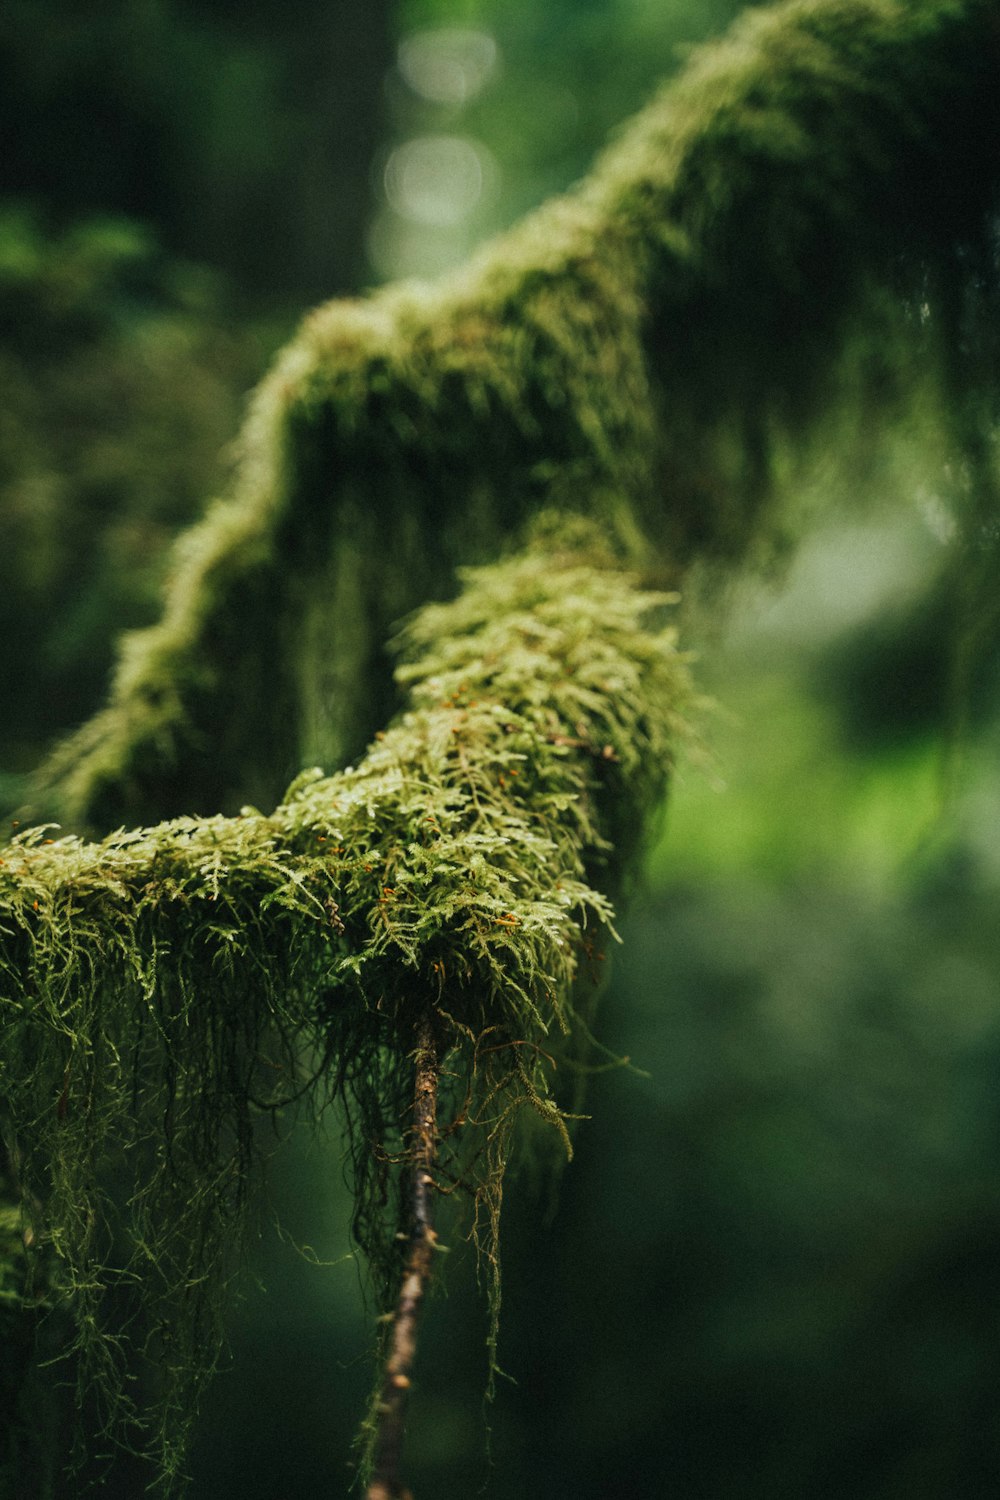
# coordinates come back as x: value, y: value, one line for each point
x: 772, y: 1268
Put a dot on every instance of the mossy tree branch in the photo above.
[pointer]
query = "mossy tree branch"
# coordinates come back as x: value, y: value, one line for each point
x: 620, y: 357
x: 628, y: 349
x: 163, y: 989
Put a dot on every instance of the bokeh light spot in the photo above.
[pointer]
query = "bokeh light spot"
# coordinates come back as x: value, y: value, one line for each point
x: 447, y: 65
x: 437, y: 179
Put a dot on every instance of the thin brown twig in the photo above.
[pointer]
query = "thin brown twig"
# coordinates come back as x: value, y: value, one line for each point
x: 386, y: 1481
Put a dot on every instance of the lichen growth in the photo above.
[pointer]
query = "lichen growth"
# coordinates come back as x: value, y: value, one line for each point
x: 165, y: 990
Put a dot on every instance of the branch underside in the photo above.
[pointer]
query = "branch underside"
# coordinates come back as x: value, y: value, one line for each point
x: 390, y: 1414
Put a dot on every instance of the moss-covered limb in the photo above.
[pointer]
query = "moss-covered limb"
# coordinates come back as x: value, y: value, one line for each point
x: 626, y: 349
x: 815, y: 133
x: 830, y: 163
x: 162, y: 990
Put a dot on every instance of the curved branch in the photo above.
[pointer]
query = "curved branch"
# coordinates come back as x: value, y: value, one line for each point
x: 624, y: 350
x: 620, y: 354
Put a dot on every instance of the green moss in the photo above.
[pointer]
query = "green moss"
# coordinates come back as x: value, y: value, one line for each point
x: 165, y: 989
x: 121, y: 385
x: 624, y: 351
x: 623, y: 358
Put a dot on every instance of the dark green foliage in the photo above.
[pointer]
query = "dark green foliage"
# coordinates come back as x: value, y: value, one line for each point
x: 122, y: 374
x: 244, y: 134
x: 795, y: 1221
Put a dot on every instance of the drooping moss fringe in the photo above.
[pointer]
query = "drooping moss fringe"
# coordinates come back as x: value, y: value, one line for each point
x: 638, y: 347
x: 165, y: 990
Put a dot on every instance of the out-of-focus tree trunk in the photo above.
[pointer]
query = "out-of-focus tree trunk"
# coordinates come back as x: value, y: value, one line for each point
x: 303, y: 236
x: 243, y: 134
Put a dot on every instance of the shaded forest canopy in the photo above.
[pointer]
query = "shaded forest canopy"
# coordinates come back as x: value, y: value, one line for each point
x: 806, y: 211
